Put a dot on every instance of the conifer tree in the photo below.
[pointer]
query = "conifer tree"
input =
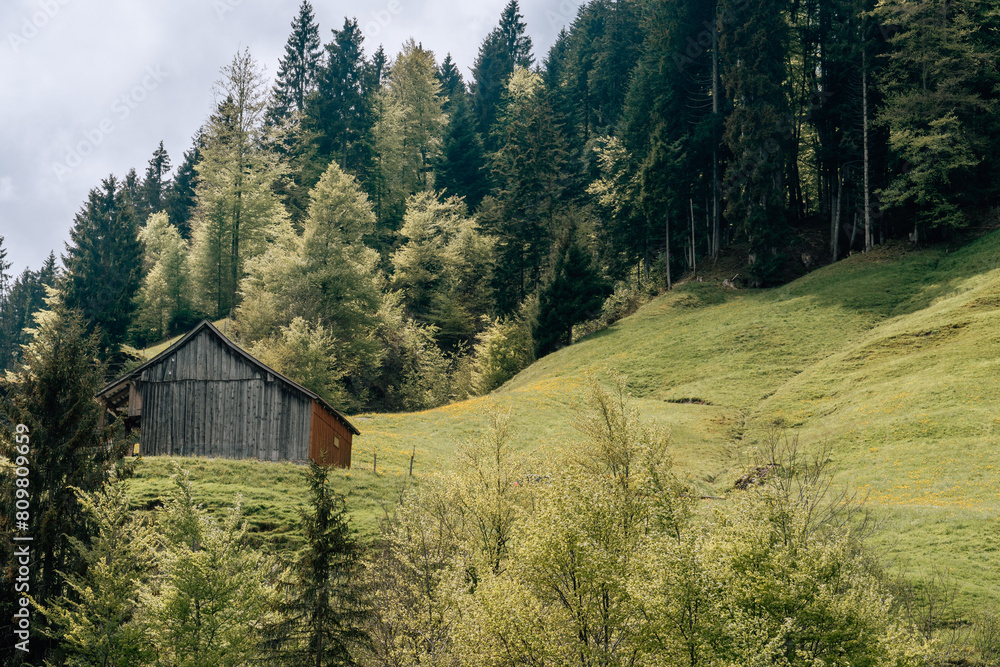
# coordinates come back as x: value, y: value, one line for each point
x: 338, y: 112
x: 413, y: 83
x: 4, y: 276
x: 325, y: 608
x: 215, y: 593
x: 181, y: 195
x: 757, y: 132
x: 461, y: 169
x: 156, y: 184
x: 452, y: 83
x: 572, y: 294
x: 528, y: 169
x: 409, y: 126
x: 98, y: 620
x: 443, y: 268
x: 51, y: 392
x: 386, y: 181
x: 504, y: 49
x: 25, y: 298
x: 298, y: 68
x: 164, y: 298
x: 237, y: 207
x: 104, y: 263
x: 326, y: 276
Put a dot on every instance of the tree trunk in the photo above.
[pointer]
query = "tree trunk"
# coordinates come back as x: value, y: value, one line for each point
x: 864, y: 129
x: 835, y: 217
x: 694, y: 259
x: 716, y: 194
x: 667, y: 219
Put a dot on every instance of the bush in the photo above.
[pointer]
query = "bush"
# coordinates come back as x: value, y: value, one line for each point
x: 626, y: 298
x: 502, y: 351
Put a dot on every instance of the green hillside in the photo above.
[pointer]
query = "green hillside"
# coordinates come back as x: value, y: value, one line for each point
x: 888, y: 358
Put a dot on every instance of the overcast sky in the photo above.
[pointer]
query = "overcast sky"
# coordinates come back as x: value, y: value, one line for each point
x: 90, y: 87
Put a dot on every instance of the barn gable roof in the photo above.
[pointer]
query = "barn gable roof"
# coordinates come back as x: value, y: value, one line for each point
x: 116, y: 385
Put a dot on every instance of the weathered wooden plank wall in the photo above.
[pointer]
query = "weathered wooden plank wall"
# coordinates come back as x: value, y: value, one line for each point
x: 330, y: 437
x: 206, y: 400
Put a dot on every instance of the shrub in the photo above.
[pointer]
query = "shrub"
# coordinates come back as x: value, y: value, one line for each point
x: 502, y: 351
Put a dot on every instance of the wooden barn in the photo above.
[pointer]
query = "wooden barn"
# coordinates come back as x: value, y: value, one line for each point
x: 204, y: 396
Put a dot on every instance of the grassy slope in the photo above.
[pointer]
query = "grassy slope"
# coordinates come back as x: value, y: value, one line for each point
x: 890, y: 358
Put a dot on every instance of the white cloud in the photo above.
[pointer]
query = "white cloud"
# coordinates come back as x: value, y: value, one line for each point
x: 6, y: 188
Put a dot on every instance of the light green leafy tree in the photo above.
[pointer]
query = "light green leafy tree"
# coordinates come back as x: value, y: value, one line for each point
x: 213, y: 597
x: 165, y: 294
x: 409, y: 131
x: 328, y: 278
x: 576, y: 552
x: 776, y: 575
x: 932, y: 105
x: 444, y: 542
x: 386, y: 186
x: 502, y: 351
x: 443, y: 268
x: 237, y: 208
x: 96, y: 621
x: 413, y: 83
x: 603, y: 562
x: 305, y: 352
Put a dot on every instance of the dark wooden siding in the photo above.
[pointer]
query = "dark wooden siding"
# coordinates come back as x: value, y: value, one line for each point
x: 207, y: 400
x: 330, y: 442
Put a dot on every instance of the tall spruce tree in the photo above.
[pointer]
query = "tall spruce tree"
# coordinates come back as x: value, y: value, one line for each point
x: 671, y: 120
x: 104, y: 264
x: 528, y: 169
x: 181, y: 195
x: 156, y: 184
x: 25, y: 298
x: 504, y: 49
x: 237, y: 206
x: 337, y: 123
x: 337, y: 112
x: 758, y: 131
x: 325, y: 609
x: 461, y: 169
x: 4, y: 276
x: 573, y: 293
x: 298, y: 68
x: 51, y: 393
